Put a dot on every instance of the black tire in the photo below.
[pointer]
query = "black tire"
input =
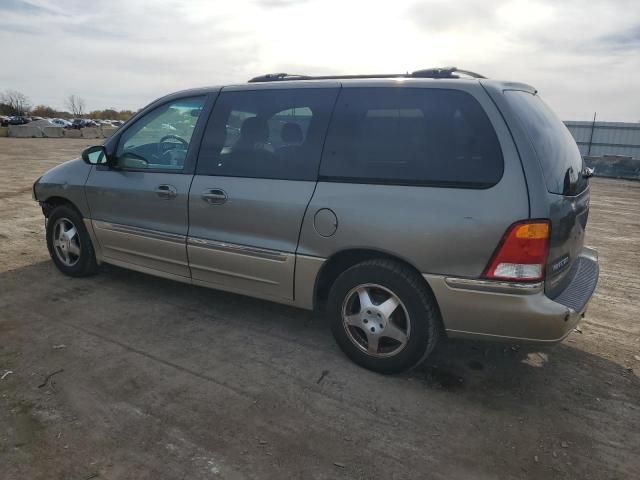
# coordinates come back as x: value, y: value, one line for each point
x: 417, y: 301
x: 85, y: 263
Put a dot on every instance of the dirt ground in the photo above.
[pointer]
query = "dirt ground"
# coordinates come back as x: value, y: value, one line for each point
x: 127, y: 376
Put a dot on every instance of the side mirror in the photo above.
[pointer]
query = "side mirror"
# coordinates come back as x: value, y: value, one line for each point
x: 96, y: 155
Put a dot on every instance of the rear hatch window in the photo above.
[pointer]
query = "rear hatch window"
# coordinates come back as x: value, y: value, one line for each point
x: 555, y: 147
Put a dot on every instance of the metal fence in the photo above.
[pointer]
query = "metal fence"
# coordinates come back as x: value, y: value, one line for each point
x: 599, y: 139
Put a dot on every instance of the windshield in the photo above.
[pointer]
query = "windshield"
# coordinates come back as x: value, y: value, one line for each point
x: 555, y: 148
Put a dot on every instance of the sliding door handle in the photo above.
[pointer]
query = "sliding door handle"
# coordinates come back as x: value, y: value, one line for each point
x: 214, y: 196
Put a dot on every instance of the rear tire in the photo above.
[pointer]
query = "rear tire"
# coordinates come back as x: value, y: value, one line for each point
x: 383, y: 316
x: 69, y: 243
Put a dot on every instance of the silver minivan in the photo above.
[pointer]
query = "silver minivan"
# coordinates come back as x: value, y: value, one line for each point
x: 410, y: 207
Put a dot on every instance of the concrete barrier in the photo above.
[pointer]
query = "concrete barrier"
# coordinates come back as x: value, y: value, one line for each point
x: 53, y: 132
x: 108, y: 131
x: 24, y: 131
x: 72, y: 133
x: 614, y: 166
x: 91, y: 132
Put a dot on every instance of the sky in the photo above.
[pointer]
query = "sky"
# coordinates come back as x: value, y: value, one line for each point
x: 582, y: 55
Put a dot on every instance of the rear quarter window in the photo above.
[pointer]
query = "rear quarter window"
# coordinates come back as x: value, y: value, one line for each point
x: 554, y: 145
x: 411, y: 136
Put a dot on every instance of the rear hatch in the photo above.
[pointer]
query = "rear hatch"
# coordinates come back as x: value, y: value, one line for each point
x: 563, y: 170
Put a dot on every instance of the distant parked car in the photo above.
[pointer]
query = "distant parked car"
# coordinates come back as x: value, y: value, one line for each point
x: 18, y: 120
x: 82, y: 123
x: 116, y: 123
x: 60, y: 122
x: 4, y: 121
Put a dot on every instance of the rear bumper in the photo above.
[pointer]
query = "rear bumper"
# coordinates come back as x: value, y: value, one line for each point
x: 511, y: 312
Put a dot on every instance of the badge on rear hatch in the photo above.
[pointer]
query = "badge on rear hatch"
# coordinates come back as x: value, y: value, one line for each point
x: 560, y: 264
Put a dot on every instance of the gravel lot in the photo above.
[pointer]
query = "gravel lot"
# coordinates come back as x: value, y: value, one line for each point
x: 162, y: 380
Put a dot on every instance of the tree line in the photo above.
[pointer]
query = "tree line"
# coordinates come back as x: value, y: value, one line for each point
x: 13, y: 102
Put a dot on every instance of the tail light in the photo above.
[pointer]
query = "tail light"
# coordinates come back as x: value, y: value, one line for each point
x: 522, y: 253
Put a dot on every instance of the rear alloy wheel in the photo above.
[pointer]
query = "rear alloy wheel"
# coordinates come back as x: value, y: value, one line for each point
x: 383, y: 316
x: 376, y: 320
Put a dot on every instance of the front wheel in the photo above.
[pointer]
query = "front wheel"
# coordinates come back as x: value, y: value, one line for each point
x: 383, y: 316
x: 69, y: 243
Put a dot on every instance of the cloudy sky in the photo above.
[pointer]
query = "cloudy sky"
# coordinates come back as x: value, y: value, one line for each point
x: 582, y: 55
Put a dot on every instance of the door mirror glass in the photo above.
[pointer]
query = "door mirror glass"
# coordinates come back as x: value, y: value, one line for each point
x: 96, y: 155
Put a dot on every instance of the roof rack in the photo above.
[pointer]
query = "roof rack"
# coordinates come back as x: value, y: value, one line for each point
x: 443, y: 72
x: 446, y: 72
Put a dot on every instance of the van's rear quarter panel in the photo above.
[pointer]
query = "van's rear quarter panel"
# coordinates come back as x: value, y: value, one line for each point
x: 437, y: 230
x: 448, y: 231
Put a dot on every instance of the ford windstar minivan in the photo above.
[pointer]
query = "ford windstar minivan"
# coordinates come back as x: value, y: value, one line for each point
x: 410, y: 207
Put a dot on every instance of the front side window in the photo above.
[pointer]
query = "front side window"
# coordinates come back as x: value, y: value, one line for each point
x: 269, y: 133
x: 411, y: 136
x: 160, y: 139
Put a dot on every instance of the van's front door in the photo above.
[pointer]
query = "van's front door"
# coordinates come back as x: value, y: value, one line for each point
x: 256, y: 174
x: 139, y: 205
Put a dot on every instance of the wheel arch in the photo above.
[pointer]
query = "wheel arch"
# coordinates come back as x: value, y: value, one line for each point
x: 342, y: 260
x: 55, y: 201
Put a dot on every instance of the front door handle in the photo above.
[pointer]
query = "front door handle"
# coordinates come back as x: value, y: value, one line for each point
x: 214, y: 196
x: 167, y: 191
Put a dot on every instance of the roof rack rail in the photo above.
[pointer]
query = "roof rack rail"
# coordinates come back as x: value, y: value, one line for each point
x: 442, y: 72
x: 273, y: 77
x: 445, y: 72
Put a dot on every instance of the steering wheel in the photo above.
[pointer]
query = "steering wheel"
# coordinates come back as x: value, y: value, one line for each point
x: 171, y: 137
x: 170, y: 155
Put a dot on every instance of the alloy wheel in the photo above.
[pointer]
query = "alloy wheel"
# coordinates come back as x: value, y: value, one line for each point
x: 66, y: 242
x: 376, y: 320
